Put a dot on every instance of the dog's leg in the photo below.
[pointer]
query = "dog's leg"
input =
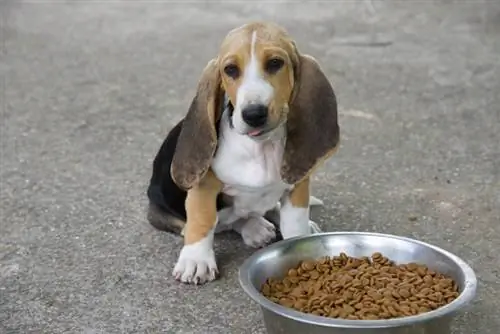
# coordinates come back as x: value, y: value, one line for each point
x: 256, y: 231
x: 196, y: 263
x: 226, y: 219
x: 314, y: 227
x: 294, y: 212
x: 273, y: 215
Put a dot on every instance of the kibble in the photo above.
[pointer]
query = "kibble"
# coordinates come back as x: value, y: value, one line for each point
x: 361, y: 288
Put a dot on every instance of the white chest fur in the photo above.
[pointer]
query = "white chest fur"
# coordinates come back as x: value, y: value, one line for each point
x: 250, y: 170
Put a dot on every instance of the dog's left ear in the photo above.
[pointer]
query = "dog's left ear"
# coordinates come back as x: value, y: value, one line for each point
x: 312, y: 126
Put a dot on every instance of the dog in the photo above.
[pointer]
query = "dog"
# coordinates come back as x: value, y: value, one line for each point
x: 263, y: 119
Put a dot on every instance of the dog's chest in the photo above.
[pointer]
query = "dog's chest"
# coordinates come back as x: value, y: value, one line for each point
x: 250, y: 172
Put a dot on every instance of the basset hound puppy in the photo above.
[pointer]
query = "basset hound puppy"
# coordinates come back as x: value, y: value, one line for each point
x: 263, y: 119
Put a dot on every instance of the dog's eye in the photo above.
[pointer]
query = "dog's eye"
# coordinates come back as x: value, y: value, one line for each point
x: 232, y: 71
x: 273, y: 65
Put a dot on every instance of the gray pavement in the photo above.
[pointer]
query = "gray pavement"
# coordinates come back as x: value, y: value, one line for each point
x: 89, y: 89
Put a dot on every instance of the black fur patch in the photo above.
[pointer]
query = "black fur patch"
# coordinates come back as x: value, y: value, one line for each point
x: 230, y: 111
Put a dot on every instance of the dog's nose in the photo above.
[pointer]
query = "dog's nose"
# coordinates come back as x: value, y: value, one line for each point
x: 255, y: 115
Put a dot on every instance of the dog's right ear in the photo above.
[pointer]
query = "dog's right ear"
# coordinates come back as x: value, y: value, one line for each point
x: 198, y: 138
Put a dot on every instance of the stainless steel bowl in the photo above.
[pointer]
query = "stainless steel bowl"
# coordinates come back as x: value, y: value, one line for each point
x: 276, y: 259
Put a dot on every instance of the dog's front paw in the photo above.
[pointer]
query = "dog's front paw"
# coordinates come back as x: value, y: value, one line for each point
x: 314, y: 227
x: 257, y: 232
x: 314, y: 201
x: 196, y: 265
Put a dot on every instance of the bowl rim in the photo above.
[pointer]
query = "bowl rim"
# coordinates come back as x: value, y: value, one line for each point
x: 462, y: 300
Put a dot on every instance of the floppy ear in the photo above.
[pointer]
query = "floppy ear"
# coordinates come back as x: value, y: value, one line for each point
x: 312, y: 127
x: 198, y: 138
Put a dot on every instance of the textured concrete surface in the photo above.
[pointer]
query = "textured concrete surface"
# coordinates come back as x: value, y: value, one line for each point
x: 90, y: 88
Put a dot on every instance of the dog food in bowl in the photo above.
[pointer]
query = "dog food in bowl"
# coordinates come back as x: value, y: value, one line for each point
x: 361, y: 288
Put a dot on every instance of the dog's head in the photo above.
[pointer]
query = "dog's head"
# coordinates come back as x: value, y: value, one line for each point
x: 267, y: 83
x: 257, y: 66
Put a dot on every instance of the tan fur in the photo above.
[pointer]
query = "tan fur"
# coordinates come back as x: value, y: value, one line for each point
x: 201, y: 208
x: 299, y: 196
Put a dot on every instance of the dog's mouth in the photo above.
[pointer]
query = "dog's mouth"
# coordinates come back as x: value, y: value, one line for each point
x: 256, y: 133
x: 262, y: 132
x: 259, y: 133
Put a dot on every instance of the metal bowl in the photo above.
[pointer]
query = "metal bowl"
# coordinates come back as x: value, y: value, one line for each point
x: 276, y: 259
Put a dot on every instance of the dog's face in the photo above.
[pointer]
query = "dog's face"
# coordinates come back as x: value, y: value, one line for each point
x: 256, y: 65
x: 268, y: 82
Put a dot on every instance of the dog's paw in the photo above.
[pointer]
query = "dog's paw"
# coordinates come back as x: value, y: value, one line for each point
x: 257, y: 232
x: 314, y: 227
x: 314, y: 201
x: 196, y: 264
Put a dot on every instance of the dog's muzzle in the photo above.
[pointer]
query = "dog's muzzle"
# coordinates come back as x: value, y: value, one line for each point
x: 255, y: 115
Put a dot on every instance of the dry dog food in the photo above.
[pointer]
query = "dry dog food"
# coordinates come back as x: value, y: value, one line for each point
x: 361, y: 288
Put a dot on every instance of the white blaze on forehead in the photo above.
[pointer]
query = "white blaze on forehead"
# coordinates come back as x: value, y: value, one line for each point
x: 252, y: 46
x: 254, y: 88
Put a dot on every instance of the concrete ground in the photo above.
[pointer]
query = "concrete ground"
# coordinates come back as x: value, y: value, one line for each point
x: 89, y: 89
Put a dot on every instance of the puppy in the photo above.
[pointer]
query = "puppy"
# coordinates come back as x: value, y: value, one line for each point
x: 263, y: 119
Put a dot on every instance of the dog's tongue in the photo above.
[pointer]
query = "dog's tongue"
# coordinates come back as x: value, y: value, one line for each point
x: 254, y: 133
